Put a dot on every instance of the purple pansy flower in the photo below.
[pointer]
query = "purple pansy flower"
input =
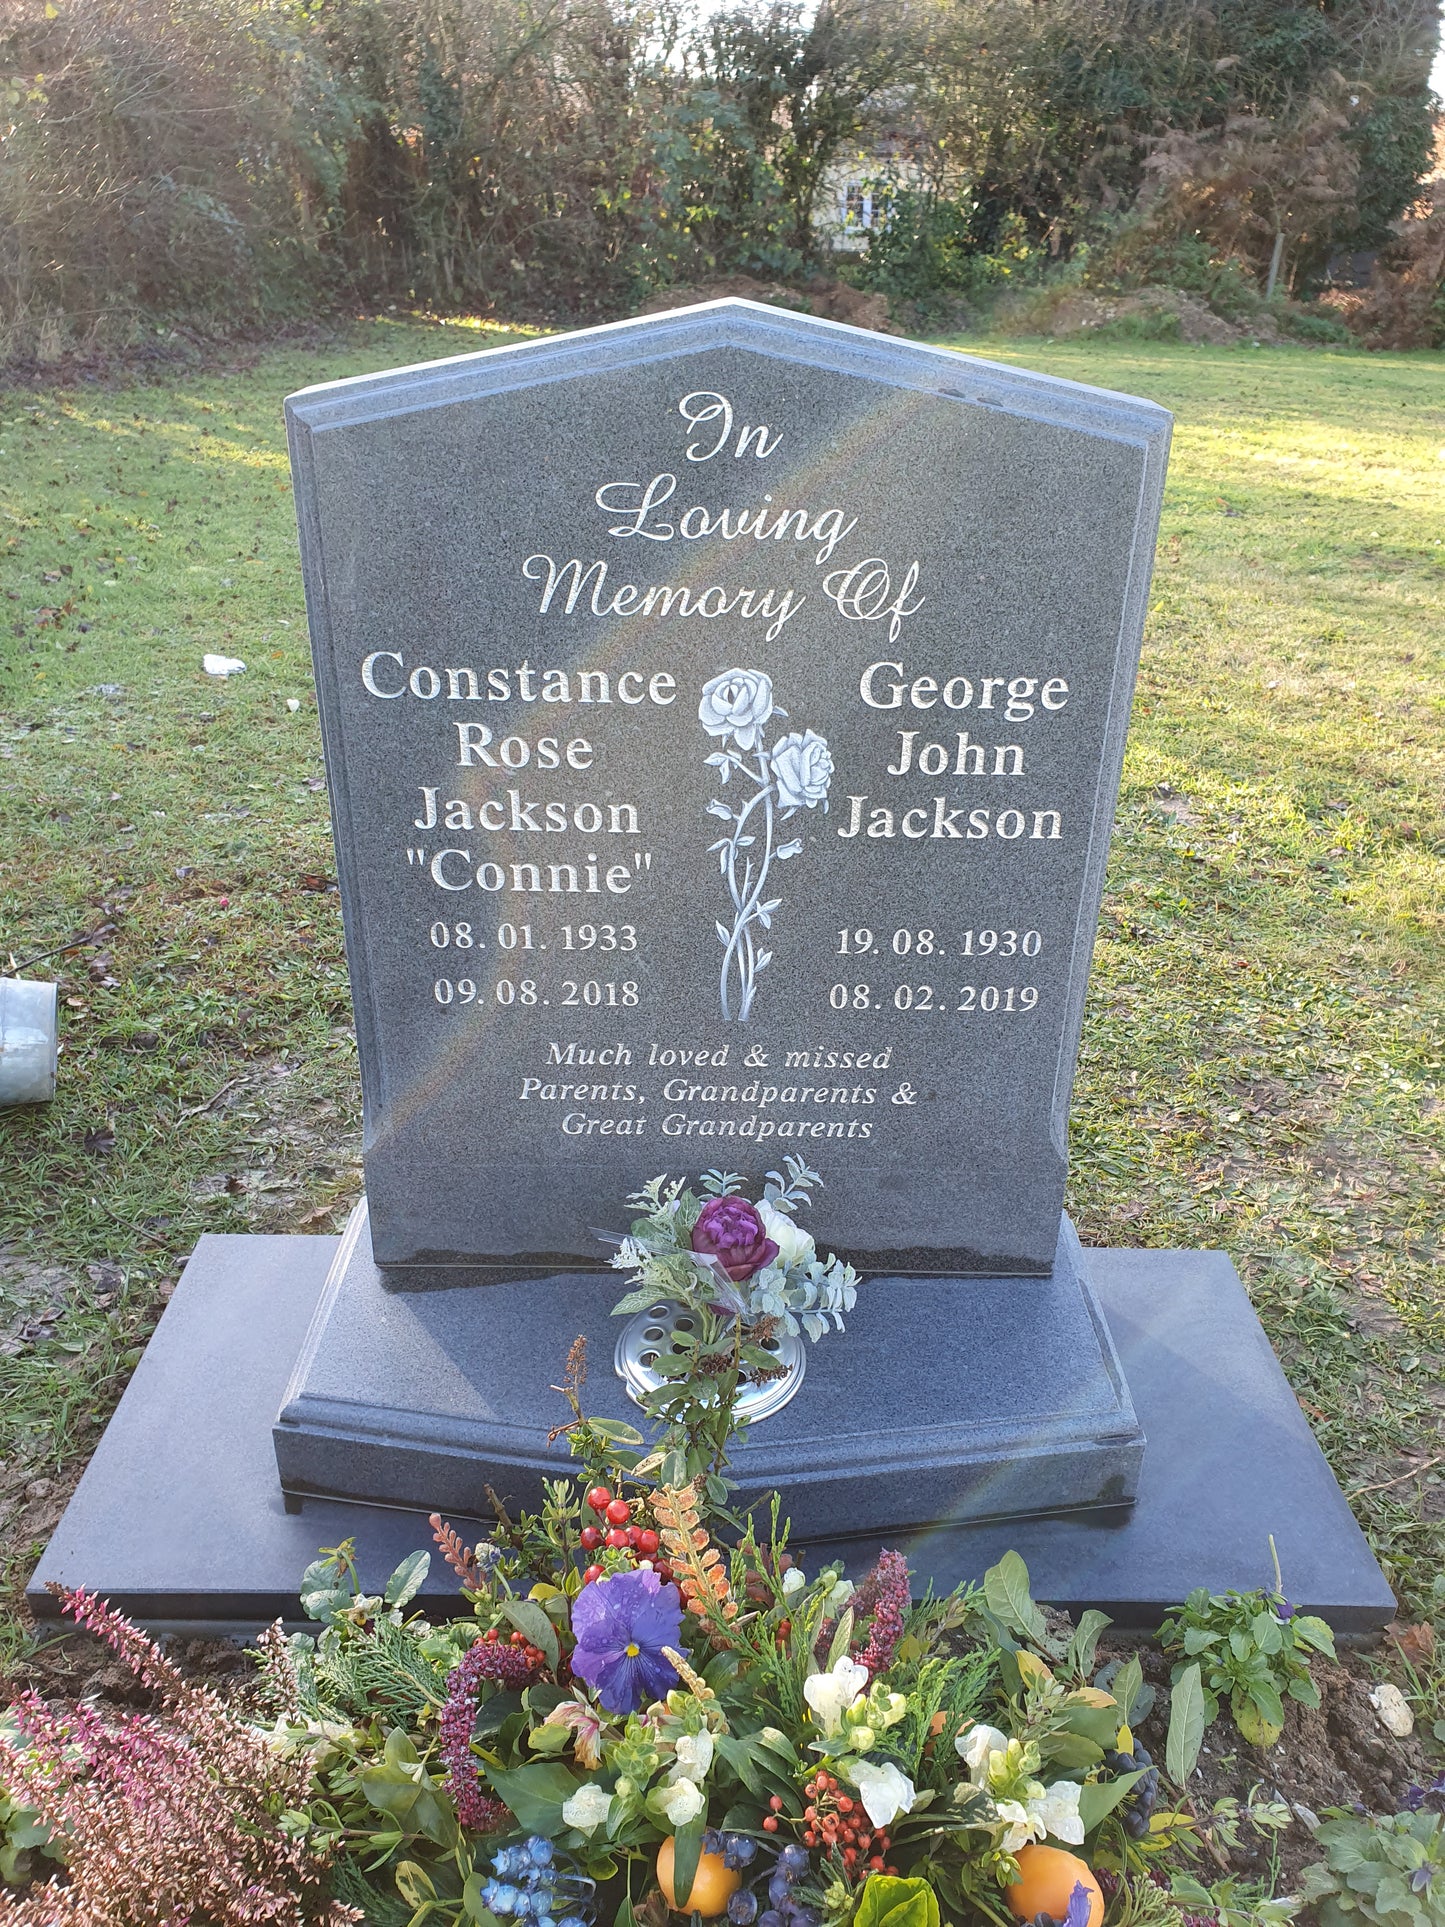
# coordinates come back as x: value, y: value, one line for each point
x: 621, y: 1625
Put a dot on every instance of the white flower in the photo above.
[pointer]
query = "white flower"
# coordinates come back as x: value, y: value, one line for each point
x: 1056, y: 1812
x: 976, y: 1746
x: 587, y: 1807
x: 831, y: 1694
x: 681, y: 1802
x: 794, y: 1580
x: 694, y: 1756
x: 737, y: 703
x: 1018, y: 1825
x: 802, y: 770
x: 795, y: 1246
x: 838, y: 1598
x: 886, y: 1792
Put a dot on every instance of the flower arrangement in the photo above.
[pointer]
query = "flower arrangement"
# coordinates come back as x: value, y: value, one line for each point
x: 793, y: 775
x: 702, y: 1728
x: 649, y: 1708
x: 739, y: 1272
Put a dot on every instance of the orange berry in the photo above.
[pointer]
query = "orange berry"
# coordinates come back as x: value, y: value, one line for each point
x: 1047, y: 1878
x: 713, y: 1885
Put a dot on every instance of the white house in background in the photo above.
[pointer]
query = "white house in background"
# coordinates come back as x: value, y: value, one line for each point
x: 852, y: 198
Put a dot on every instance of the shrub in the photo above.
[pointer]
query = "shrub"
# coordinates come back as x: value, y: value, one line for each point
x: 164, y: 1819
x: 1379, y: 1872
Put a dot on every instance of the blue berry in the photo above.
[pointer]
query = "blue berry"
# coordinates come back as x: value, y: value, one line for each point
x: 742, y: 1908
x: 739, y: 1850
x: 794, y: 1859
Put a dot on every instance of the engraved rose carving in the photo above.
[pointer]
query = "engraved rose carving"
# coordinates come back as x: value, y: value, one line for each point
x: 737, y: 703
x: 793, y: 775
x: 802, y: 768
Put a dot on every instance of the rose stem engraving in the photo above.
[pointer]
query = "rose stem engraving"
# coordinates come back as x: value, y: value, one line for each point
x: 736, y: 706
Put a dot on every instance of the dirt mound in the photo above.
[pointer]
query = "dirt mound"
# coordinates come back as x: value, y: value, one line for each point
x: 1080, y: 312
x: 829, y: 300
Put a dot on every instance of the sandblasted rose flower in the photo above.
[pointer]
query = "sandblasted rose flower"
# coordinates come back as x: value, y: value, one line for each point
x: 802, y: 770
x: 737, y: 703
x: 730, y: 1230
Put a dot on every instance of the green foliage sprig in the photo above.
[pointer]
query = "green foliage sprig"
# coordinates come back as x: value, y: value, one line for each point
x: 1251, y: 1648
x: 1379, y: 1872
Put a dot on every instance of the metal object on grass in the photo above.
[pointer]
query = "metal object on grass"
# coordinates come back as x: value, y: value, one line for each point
x: 29, y: 1045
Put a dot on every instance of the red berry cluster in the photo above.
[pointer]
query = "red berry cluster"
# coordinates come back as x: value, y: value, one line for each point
x: 640, y: 1543
x: 533, y: 1655
x: 834, y: 1819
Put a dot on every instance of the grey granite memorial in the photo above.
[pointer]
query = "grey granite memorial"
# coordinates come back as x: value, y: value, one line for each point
x: 724, y: 714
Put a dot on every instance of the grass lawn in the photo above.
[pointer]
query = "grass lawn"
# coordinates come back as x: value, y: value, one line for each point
x: 1262, y: 1053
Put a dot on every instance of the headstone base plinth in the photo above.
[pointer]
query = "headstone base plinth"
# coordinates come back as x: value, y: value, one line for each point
x: 947, y: 1399
x: 179, y: 1519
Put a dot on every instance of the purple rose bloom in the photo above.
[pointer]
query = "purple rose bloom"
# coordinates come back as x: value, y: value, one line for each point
x: 730, y: 1230
x: 621, y: 1625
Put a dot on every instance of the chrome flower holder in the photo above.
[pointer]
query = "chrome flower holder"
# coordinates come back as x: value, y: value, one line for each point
x: 644, y: 1338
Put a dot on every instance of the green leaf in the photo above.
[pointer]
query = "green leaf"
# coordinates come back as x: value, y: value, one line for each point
x: 686, y: 1852
x: 842, y: 1639
x: 1125, y: 1686
x: 407, y: 1581
x: 529, y: 1619
x: 1186, y: 1726
x: 1072, y: 1751
x: 1098, y: 1798
x: 1085, y: 1642
x: 1265, y: 1695
x: 1253, y: 1726
x: 1310, y: 1631
x: 1006, y: 1590
x: 1197, y: 1639
x: 536, y: 1794
x: 634, y: 1301
x: 615, y: 1432
x: 1097, y: 1723
x: 413, y: 1883
x: 888, y: 1901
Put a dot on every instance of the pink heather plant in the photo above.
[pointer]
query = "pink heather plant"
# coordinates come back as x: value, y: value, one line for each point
x: 885, y: 1594
x: 167, y: 1822
x: 509, y: 1667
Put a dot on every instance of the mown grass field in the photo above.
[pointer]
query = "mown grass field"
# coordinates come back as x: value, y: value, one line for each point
x: 1261, y: 1068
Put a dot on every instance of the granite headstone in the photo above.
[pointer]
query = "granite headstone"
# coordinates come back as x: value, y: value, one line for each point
x: 724, y: 714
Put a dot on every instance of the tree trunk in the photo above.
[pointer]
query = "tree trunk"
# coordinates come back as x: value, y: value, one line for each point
x: 1274, y: 263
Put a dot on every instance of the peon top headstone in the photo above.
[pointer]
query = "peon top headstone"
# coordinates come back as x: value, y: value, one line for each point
x: 724, y: 715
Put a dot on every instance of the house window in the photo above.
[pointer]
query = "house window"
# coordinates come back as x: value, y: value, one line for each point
x: 857, y: 207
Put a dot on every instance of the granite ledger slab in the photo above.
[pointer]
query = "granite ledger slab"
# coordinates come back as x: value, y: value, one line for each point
x: 179, y: 1520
